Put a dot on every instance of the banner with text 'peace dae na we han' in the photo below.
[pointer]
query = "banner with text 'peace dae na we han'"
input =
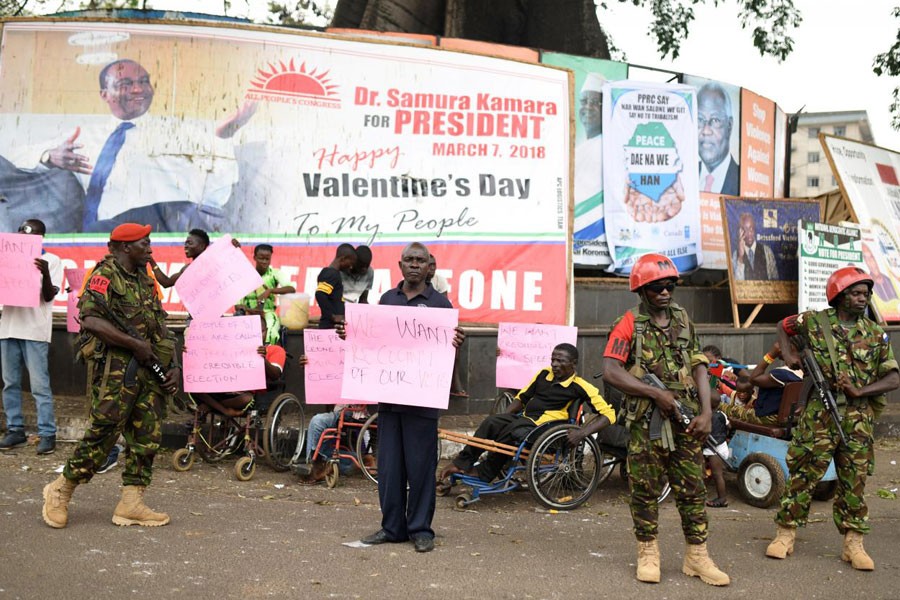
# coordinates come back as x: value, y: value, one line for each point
x: 650, y: 183
x: 303, y: 141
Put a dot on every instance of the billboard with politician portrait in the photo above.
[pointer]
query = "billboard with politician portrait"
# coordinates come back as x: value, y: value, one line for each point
x: 589, y: 247
x: 306, y: 141
x: 761, y: 236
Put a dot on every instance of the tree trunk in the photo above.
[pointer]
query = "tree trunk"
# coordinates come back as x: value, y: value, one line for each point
x: 568, y: 26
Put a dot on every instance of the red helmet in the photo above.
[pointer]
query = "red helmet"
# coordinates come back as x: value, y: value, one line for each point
x: 844, y: 278
x: 650, y: 268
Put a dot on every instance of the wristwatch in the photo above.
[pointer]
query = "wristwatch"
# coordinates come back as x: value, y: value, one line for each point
x: 45, y: 158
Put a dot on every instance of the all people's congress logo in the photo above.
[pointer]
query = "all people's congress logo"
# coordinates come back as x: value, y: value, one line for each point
x: 290, y: 84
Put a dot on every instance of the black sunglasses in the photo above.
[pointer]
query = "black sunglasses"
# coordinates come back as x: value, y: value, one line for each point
x: 26, y: 228
x: 657, y: 288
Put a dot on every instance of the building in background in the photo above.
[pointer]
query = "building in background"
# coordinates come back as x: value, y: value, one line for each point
x: 810, y: 173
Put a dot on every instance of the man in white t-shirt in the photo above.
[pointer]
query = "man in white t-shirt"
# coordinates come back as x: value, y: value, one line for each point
x: 25, y: 339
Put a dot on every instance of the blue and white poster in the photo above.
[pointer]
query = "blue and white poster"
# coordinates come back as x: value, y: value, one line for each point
x: 650, y: 181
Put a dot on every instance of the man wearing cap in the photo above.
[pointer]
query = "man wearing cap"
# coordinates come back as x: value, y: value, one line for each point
x: 25, y: 333
x: 589, y: 225
x: 856, y: 359
x: 658, y: 338
x: 124, y: 342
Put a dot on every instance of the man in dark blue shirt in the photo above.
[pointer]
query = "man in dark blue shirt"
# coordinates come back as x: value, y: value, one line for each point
x: 330, y: 286
x: 407, y: 435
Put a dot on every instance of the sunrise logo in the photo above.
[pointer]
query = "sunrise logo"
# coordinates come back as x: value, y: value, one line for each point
x: 288, y: 84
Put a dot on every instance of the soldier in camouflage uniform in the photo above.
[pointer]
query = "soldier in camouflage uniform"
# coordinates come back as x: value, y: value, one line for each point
x: 124, y: 335
x: 856, y: 359
x: 657, y: 337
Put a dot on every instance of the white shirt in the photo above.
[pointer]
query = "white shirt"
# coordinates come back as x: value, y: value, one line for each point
x: 34, y: 323
x: 163, y: 159
x: 719, y: 174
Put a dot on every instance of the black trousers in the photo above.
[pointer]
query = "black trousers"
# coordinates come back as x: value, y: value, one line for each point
x: 407, y: 454
x: 504, y: 429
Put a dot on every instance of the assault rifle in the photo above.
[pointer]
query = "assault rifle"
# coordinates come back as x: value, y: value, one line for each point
x: 128, y: 329
x: 820, y: 386
x: 683, y: 415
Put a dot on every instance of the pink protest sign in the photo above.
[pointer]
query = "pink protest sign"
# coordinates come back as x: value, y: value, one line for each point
x: 324, y: 370
x: 20, y: 280
x: 217, y: 279
x: 525, y: 349
x: 399, y: 354
x: 74, y: 278
x: 221, y: 355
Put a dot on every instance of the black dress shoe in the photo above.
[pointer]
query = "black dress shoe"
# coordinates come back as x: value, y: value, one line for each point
x: 424, y: 543
x: 379, y: 537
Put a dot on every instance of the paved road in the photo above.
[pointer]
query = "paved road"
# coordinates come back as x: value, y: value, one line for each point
x: 272, y: 538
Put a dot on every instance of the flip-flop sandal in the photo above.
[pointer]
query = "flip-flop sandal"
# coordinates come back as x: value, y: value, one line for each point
x: 717, y: 503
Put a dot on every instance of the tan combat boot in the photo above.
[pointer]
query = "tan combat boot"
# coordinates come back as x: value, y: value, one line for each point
x: 783, y: 544
x: 56, y: 501
x: 648, y: 561
x: 697, y: 563
x: 855, y: 554
x: 131, y: 509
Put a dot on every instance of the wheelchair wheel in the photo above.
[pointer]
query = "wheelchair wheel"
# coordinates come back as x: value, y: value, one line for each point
x: 183, y: 460
x: 502, y: 402
x: 367, y: 448
x: 560, y: 475
x: 332, y: 475
x: 285, y: 431
x: 760, y: 480
x: 221, y: 437
x: 244, y: 468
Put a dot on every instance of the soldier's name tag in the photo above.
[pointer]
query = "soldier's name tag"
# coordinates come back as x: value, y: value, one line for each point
x: 99, y: 284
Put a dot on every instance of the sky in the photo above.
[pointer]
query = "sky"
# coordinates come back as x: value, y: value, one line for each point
x: 830, y: 68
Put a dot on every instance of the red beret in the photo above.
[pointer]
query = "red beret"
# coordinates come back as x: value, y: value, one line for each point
x: 130, y: 232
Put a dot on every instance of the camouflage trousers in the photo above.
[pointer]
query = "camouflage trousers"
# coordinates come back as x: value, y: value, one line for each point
x: 135, y: 411
x: 815, y: 443
x: 649, y: 465
x: 747, y: 414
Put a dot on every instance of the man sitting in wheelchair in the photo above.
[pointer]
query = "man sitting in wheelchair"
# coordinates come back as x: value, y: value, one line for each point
x: 234, y: 404
x: 547, y: 398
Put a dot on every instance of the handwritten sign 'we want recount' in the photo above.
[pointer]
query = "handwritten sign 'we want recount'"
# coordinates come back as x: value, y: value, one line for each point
x: 399, y: 354
x: 525, y: 349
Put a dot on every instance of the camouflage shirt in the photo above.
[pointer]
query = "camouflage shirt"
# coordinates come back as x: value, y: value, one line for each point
x: 131, y: 296
x: 864, y: 346
x: 670, y: 353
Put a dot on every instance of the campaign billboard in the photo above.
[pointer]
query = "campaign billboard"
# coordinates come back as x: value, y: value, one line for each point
x: 303, y: 141
x: 869, y: 181
x: 650, y: 175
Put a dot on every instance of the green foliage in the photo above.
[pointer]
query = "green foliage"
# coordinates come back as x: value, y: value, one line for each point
x: 299, y: 12
x: 888, y: 63
x: 770, y: 21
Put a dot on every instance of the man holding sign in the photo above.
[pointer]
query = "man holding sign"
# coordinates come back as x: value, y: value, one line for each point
x: 407, y: 435
x: 25, y: 339
x: 131, y: 367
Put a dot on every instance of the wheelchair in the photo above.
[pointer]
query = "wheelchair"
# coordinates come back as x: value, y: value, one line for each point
x: 271, y: 427
x: 559, y: 475
x: 352, y: 439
